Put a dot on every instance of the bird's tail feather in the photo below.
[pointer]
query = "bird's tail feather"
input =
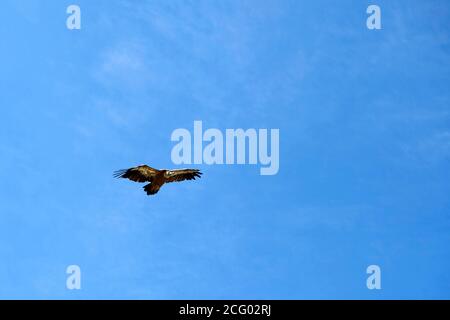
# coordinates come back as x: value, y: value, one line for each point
x: 151, y: 189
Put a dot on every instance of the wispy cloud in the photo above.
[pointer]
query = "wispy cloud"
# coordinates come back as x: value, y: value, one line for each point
x: 123, y: 64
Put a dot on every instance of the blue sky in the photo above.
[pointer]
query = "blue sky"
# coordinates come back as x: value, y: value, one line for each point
x: 364, y: 175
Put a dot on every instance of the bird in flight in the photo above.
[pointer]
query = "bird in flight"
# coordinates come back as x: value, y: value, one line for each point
x: 156, y: 177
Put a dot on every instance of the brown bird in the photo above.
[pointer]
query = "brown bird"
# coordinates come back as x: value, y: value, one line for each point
x: 156, y: 177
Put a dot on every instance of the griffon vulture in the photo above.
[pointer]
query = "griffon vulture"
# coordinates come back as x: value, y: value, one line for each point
x: 156, y: 177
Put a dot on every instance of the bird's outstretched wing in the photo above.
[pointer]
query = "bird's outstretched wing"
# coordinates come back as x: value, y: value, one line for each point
x: 141, y: 173
x: 181, y: 174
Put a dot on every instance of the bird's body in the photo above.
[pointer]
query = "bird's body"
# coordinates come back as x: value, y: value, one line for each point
x: 157, y: 178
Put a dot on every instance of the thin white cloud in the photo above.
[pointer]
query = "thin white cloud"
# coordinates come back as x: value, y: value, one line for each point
x: 122, y: 64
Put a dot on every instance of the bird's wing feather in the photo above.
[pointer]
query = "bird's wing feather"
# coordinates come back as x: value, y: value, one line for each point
x: 181, y: 174
x: 141, y: 173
